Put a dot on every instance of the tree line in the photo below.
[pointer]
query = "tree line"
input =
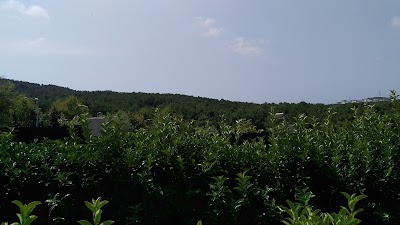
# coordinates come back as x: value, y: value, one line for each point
x: 60, y: 105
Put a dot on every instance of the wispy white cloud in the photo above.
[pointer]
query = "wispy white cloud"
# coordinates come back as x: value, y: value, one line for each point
x: 208, y: 24
x: 395, y: 21
x: 213, y: 32
x: 243, y: 46
x: 38, y: 11
x: 29, y: 10
x: 240, y: 45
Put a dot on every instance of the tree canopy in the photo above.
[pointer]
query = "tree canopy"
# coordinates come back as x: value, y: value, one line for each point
x: 15, y: 109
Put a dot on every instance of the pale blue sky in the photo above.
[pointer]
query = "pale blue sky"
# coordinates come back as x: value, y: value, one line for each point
x: 256, y: 51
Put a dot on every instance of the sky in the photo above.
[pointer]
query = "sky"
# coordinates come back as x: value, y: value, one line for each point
x: 273, y: 51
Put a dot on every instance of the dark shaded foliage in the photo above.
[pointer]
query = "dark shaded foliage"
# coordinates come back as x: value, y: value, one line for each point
x: 30, y: 134
x: 250, y: 136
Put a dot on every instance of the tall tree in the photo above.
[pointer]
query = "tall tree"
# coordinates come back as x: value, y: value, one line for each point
x: 6, y: 102
x: 14, y: 108
x: 69, y: 107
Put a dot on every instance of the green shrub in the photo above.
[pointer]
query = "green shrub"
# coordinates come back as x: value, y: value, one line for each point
x: 300, y: 213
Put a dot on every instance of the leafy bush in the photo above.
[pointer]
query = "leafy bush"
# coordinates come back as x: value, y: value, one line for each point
x: 25, y: 217
x: 300, y: 213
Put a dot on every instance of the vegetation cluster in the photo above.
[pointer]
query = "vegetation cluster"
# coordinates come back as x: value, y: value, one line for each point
x: 180, y: 171
x: 63, y: 103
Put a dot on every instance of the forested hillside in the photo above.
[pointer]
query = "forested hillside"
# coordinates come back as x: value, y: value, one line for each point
x: 143, y: 105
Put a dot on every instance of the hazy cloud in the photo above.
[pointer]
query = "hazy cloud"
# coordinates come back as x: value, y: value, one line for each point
x: 41, y: 46
x: 243, y: 46
x: 34, y: 43
x: 213, y: 32
x: 239, y: 45
x: 209, y: 24
x: 205, y: 21
x: 395, y: 21
x: 29, y: 10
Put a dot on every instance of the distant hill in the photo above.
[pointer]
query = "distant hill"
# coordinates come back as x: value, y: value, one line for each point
x: 191, y: 108
x: 105, y: 101
x: 108, y: 101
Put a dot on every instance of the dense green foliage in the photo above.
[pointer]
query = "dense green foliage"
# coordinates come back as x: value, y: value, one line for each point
x: 179, y: 172
x: 158, y: 168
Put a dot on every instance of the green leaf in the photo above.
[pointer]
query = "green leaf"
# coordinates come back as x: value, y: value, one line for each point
x: 291, y: 205
x: 352, y: 204
x: 107, y: 222
x: 30, y: 219
x: 327, y: 219
x: 389, y: 171
x: 31, y: 206
x: 357, y: 211
x: 97, y: 217
x: 346, y: 195
x: 354, y: 200
x: 316, y: 212
x: 200, y: 222
x: 344, y: 211
x: 21, y: 220
x: 90, y: 206
x: 84, y: 222
x: 22, y: 208
x: 18, y: 203
x: 354, y: 222
x: 361, y: 197
x: 303, y: 218
x: 101, y: 204
x: 97, y: 201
